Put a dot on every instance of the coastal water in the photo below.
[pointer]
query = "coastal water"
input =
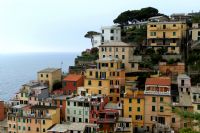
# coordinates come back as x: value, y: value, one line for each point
x: 17, y: 69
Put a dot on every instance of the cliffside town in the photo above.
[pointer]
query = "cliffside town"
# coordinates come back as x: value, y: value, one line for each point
x: 130, y: 81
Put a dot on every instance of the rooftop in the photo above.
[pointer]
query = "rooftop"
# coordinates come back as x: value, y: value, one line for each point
x: 106, y: 59
x: 79, y: 98
x: 183, y: 76
x: 72, y: 77
x: 40, y: 87
x: 168, y: 22
x: 70, y: 127
x: 62, y: 97
x: 163, y: 81
x: 123, y: 119
x: 49, y: 70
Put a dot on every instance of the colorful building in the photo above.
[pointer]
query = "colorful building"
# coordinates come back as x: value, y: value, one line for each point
x: 171, y: 69
x: 168, y: 35
x: 107, y: 120
x: 134, y: 105
x: 32, y: 119
x: 60, y: 102
x: 107, y: 78
x: 157, y: 110
x: 71, y: 82
x: 122, y: 51
x: 49, y: 76
x: 78, y: 109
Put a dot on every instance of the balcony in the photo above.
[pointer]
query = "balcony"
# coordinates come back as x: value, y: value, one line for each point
x: 173, y: 44
x: 157, y: 93
x: 107, y: 120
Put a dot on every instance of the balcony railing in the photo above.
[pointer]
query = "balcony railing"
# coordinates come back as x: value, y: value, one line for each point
x: 106, y: 120
x: 157, y: 92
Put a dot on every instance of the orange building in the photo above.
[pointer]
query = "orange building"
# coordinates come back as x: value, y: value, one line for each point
x: 2, y: 110
x: 71, y: 82
x: 169, y: 69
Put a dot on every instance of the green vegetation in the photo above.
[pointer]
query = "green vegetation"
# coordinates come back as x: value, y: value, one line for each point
x: 136, y: 15
x: 90, y: 35
x: 196, y: 19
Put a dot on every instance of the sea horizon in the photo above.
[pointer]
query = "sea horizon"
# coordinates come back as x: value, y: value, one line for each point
x: 17, y: 69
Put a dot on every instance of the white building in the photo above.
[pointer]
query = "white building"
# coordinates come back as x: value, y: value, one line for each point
x: 111, y: 34
x: 108, y: 34
x: 196, y: 31
x: 77, y: 109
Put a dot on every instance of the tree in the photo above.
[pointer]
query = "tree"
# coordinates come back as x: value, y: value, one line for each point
x: 90, y: 35
x: 150, y: 51
x: 57, y: 85
x: 161, y: 51
x: 136, y: 15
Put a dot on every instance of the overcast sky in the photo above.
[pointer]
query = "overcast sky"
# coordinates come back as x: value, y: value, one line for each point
x: 60, y: 25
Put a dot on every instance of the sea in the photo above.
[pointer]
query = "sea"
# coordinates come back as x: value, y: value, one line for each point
x: 18, y: 69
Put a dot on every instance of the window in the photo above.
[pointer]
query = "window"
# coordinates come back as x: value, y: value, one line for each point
x: 68, y: 103
x: 132, y: 65
x: 161, y: 99
x: 153, y: 33
x: 68, y: 111
x: 153, y: 99
x: 74, y: 84
x: 111, y: 38
x: 90, y: 73
x: 74, y: 103
x: 44, y: 130
x: 153, y: 108
x: 138, y: 117
x: 138, y: 109
x: 130, y: 100
x: 29, y: 128
x: 174, y: 25
x: 86, y: 112
x: 123, y: 56
x: 116, y: 49
x: 41, y: 75
x: 123, y: 49
x: 111, y: 31
x: 182, y: 82
x: 99, y: 91
x: 173, y: 120
x: 198, y: 33
x: 138, y: 100
x: 130, y: 109
x: 130, y: 116
x: 19, y: 127
x: 110, y: 49
x: 74, y: 111
x: 111, y: 64
x: 86, y: 120
x: 164, y: 26
x: 43, y: 122
x: 174, y: 33
x: 185, y: 124
x: 79, y: 112
x: 100, y: 83
x: 24, y: 128
x: 117, y: 73
x: 116, y: 56
x: 89, y: 82
x: 80, y: 120
x: 161, y: 109
x: 37, y: 129
x: 198, y: 107
x: 47, y: 75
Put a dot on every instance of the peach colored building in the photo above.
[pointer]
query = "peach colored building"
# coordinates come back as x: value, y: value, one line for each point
x: 175, y: 69
x: 157, y: 96
x: 32, y: 119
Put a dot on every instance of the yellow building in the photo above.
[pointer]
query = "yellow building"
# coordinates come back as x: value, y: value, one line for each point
x: 49, y: 76
x: 134, y: 105
x: 121, y: 51
x: 32, y: 119
x: 106, y: 79
x: 169, y: 35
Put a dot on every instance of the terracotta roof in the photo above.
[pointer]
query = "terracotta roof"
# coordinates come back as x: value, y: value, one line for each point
x: 72, y: 77
x: 165, y: 81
